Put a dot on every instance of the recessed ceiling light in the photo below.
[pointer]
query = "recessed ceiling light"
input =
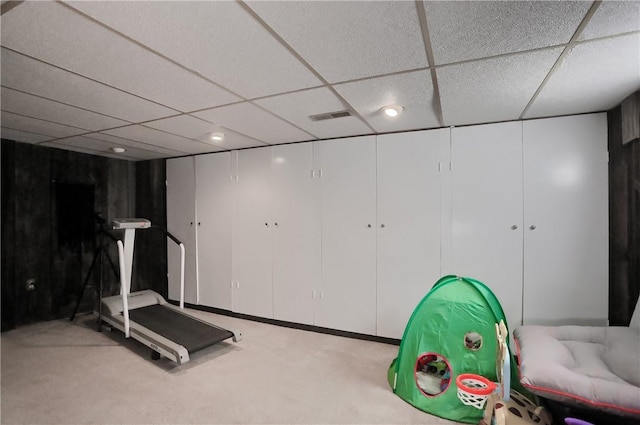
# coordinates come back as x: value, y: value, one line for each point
x: 118, y: 150
x: 216, y: 137
x: 392, y: 110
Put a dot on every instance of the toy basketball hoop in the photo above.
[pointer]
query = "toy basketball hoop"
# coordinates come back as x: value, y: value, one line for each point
x: 473, y: 390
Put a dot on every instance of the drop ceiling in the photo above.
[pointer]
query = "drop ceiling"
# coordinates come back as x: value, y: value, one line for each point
x: 157, y: 78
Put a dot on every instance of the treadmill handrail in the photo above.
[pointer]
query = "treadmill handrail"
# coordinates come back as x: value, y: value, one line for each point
x: 166, y: 233
x: 182, y: 255
x: 124, y: 290
x: 123, y: 277
x: 182, y: 260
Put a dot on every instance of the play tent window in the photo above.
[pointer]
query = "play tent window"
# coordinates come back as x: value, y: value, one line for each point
x: 473, y: 341
x: 432, y: 373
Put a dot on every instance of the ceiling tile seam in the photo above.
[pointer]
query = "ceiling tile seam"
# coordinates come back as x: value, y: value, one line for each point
x: 269, y: 96
x: 186, y: 139
x: 299, y: 57
x: 239, y: 102
x: 150, y: 50
x: 313, y: 136
x: 26, y: 131
x: 152, y: 148
x: 125, y: 126
x: 8, y: 5
x: 426, y: 38
x: 197, y: 140
x: 563, y: 54
x: 231, y: 129
x: 500, y: 56
x: 209, y: 108
x: 66, y: 104
x: 92, y: 79
x: 84, y: 150
x: 49, y: 121
x: 537, y: 49
x: 336, y: 83
x: 388, y: 74
x: 606, y: 37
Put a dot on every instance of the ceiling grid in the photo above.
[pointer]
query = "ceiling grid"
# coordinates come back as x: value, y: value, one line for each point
x: 556, y: 65
x: 158, y: 78
x: 429, y: 51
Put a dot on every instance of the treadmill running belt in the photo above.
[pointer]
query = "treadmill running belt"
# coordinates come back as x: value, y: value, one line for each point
x: 192, y: 334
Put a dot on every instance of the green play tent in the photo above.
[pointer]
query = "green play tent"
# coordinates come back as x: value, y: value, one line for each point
x: 451, y: 332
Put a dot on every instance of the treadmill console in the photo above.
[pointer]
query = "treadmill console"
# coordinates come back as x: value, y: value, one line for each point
x: 130, y: 223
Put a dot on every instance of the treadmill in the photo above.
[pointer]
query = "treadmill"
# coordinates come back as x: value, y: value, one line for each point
x: 147, y: 317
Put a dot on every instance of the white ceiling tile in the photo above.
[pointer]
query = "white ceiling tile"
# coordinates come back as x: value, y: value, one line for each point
x: 120, y: 142
x: 344, y: 40
x: 162, y: 139
x: 494, y: 89
x: 58, y: 35
x: 105, y: 147
x: 462, y: 30
x: 196, y: 128
x: 33, y: 125
x: 22, y: 136
x: 413, y: 91
x: 297, y: 107
x: 594, y: 76
x: 29, y: 75
x: 254, y: 122
x: 611, y: 18
x: 218, y: 39
x: 37, y: 107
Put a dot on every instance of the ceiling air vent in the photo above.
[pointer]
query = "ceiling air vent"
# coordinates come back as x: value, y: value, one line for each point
x: 330, y: 115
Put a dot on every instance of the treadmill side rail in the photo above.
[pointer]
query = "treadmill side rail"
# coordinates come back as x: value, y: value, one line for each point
x: 156, y: 342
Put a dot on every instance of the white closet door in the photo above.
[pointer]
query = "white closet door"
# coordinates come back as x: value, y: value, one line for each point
x: 566, y: 220
x: 486, y: 185
x: 252, y: 227
x: 408, y: 224
x: 181, y: 218
x: 213, y: 205
x: 293, y: 232
x: 348, y: 199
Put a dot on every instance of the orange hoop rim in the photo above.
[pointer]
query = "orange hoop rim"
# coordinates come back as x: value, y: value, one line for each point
x: 490, y: 386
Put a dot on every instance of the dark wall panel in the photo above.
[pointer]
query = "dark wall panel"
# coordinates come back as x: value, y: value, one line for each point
x: 36, y: 243
x: 151, y: 257
x: 624, y: 223
x: 7, y: 157
x: 32, y: 233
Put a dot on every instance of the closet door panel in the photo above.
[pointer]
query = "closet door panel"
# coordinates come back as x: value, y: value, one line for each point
x: 252, y: 226
x: 408, y: 185
x: 181, y: 217
x: 293, y: 232
x: 348, y: 202
x: 487, y: 210
x: 566, y: 220
x: 213, y: 204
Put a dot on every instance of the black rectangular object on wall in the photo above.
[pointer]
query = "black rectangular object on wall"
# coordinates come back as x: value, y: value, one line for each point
x: 74, y: 210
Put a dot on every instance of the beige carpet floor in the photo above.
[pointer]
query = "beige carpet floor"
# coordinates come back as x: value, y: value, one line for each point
x: 60, y: 372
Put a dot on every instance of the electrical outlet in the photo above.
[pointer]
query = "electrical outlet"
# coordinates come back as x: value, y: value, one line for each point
x: 30, y: 284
